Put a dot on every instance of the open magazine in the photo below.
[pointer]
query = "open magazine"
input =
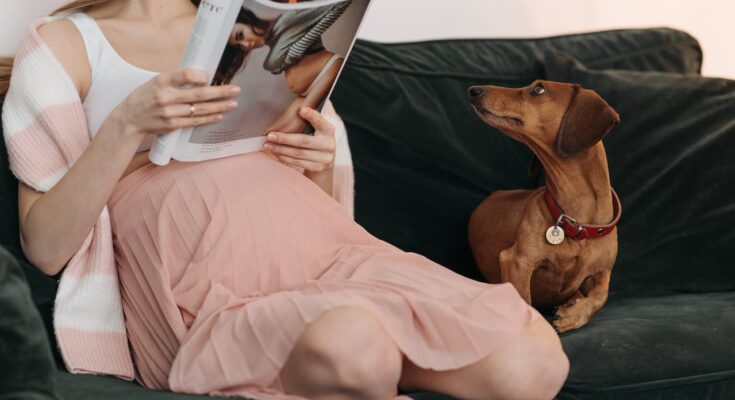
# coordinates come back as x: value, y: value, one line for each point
x: 284, y: 54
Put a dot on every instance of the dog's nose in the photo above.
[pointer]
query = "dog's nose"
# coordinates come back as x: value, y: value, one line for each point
x: 475, y: 91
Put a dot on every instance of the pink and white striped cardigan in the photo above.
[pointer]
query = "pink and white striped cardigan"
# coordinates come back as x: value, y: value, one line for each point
x: 45, y: 133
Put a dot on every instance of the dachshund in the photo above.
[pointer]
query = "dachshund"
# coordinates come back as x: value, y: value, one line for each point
x: 556, y: 244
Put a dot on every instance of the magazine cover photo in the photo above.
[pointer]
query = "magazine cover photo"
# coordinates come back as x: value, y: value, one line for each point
x: 284, y: 55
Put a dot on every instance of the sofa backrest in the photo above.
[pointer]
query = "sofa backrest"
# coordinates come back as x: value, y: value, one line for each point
x: 423, y: 159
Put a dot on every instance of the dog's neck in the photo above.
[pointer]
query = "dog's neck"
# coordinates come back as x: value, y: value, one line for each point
x: 580, y: 185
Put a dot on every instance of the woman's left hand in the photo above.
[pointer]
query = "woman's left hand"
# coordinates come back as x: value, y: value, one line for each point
x: 313, y: 153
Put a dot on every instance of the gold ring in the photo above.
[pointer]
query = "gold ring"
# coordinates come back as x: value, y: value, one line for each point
x: 192, y: 110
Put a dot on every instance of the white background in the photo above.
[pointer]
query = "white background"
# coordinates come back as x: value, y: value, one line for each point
x: 712, y: 22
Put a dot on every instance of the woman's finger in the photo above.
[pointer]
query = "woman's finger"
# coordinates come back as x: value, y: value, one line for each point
x: 300, y: 153
x: 178, y: 123
x: 183, y: 77
x: 204, y: 94
x: 199, y: 109
x: 322, y: 143
x: 320, y: 124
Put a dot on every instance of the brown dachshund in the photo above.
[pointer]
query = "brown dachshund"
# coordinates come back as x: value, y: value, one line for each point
x: 556, y: 244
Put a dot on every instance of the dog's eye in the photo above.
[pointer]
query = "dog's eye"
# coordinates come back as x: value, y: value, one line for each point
x: 538, y: 90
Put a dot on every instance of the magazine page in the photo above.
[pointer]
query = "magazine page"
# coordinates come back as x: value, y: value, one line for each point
x: 283, y: 55
x: 208, y: 38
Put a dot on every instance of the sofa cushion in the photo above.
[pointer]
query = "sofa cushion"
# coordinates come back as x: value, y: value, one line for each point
x: 678, y: 346
x: 43, y: 288
x: 423, y: 159
x: 26, y: 370
x: 90, y: 387
x: 671, y: 162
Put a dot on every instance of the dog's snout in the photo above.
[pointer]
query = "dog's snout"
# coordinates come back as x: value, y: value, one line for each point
x: 475, y: 92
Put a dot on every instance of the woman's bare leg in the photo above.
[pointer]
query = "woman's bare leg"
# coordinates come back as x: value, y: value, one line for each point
x: 533, y: 366
x: 344, y: 354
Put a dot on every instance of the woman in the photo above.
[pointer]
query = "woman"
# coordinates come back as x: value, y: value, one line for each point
x: 240, y: 276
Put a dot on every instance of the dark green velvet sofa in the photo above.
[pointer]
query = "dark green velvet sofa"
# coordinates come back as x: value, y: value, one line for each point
x: 423, y: 161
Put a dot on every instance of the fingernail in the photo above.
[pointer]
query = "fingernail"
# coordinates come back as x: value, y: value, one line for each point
x: 235, y: 90
x: 272, y: 136
x: 232, y: 105
x: 304, y: 110
x: 268, y: 146
x: 219, y: 117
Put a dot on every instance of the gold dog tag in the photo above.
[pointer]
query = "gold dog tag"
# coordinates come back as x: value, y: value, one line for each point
x: 555, y: 235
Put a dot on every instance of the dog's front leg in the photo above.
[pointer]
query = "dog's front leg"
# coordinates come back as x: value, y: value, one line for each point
x: 514, y: 269
x: 588, y: 299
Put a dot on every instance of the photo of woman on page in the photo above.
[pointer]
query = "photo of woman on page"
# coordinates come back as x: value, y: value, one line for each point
x: 295, y: 49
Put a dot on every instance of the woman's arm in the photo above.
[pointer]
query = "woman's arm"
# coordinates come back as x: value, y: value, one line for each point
x: 54, y: 224
x: 323, y: 85
x: 290, y: 121
x: 301, y: 75
x: 321, y: 88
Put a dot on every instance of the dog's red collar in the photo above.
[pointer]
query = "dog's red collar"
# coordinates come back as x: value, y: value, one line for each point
x: 574, y: 229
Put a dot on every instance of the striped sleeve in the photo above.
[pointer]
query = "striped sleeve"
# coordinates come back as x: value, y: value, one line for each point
x: 43, y: 120
x: 301, y: 47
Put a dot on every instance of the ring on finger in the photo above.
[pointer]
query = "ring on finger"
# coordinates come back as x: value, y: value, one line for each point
x: 192, y: 110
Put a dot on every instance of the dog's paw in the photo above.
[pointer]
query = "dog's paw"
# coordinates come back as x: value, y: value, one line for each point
x: 569, y: 317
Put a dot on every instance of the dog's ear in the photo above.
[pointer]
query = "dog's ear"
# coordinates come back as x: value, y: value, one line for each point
x: 587, y: 120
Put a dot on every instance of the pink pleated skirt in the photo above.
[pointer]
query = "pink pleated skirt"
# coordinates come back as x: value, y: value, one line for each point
x: 224, y: 263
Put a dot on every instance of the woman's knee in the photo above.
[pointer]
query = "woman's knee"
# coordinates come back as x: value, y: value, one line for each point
x: 551, y: 372
x: 348, y: 350
x: 540, y: 367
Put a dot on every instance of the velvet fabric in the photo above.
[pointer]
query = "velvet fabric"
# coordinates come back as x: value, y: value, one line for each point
x: 675, y: 346
x: 27, y: 368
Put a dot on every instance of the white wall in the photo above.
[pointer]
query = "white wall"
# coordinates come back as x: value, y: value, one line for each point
x: 712, y: 22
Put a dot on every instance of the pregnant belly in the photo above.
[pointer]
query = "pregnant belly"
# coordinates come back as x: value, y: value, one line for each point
x: 248, y: 219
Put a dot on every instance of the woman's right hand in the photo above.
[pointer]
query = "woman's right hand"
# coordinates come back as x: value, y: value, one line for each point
x: 165, y: 103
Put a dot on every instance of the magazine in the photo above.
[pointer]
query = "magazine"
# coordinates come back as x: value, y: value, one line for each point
x: 283, y: 54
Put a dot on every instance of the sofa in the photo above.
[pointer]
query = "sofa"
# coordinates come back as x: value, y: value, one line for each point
x: 424, y: 161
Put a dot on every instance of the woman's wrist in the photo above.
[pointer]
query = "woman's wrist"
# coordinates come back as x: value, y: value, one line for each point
x: 323, y: 178
x: 123, y: 132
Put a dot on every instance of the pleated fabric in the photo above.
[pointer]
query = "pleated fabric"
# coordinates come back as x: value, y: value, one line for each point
x: 224, y: 263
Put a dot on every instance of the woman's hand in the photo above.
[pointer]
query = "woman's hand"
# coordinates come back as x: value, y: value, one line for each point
x: 171, y: 101
x: 313, y: 154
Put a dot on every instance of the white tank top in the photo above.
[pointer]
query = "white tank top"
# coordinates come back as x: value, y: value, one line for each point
x: 113, y: 78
